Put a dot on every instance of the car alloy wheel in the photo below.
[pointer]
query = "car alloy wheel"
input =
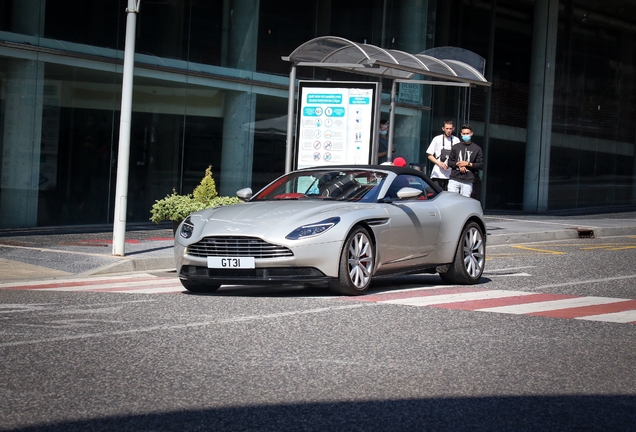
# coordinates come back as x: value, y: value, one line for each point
x: 470, y: 257
x: 474, y: 256
x: 356, y: 264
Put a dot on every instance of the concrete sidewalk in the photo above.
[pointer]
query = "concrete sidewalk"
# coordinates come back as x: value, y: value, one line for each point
x: 32, y: 254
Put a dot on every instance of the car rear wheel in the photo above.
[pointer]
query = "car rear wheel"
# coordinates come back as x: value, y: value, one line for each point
x: 356, y: 264
x: 470, y: 257
x: 198, y: 287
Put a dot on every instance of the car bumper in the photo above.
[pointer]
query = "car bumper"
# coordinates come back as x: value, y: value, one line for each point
x: 309, y: 263
x: 275, y: 275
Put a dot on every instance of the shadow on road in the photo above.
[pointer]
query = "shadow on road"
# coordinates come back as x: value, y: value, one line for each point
x: 531, y: 413
x: 378, y: 285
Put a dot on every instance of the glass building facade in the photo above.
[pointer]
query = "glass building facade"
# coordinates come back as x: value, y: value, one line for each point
x: 557, y: 125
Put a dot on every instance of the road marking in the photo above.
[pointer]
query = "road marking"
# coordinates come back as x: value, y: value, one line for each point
x: 183, y: 326
x: 467, y: 298
x: 582, y: 282
x: 552, y: 305
x: 124, y: 285
x: 625, y: 317
x: 539, y: 250
x: 478, y: 299
x: 584, y: 311
x: 502, y: 301
x: 613, y: 247
x: 455, y: 297
x: 133, y: 284
x: 508, y: 269
x: 24, y: 284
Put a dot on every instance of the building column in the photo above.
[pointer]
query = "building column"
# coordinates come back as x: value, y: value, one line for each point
x: 239, y: 107
x: 537, y: 166
x: 411, y: 38
x: 238, y: 142
x: 628, y: 82
x: 21, y: 138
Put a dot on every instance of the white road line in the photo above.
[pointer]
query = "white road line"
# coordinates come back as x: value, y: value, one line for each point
x: 413, y: 289
x: 542, y: 287
x: 506, y: 269
x: 174, y: 289
x: 185, y: 326
x: 617, y: 317
x: 454, y: 298
x: 75, y: 280
x: 506, y: 275
x: 551, y: 305
x: 123, y: 285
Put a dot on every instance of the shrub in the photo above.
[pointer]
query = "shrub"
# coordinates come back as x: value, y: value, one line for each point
x: 175, y: 207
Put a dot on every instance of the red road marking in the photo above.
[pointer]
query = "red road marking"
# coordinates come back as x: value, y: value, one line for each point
x: 504, y: 301
x: 589, y: 310
x: 417, y: 293
x: 78, y: 283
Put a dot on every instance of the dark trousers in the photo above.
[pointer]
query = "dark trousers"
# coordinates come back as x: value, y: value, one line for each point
x: 443, y: 183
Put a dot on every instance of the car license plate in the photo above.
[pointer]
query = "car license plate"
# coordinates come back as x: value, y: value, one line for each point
x: 231, y: 262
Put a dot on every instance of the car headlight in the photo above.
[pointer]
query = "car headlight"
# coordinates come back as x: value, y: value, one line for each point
x: 312, y: 230
x: 186, y: 228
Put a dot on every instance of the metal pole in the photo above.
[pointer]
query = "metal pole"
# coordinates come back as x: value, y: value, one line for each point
x: 123, y: 156
x: 290, y: 119
x: 389, y: 150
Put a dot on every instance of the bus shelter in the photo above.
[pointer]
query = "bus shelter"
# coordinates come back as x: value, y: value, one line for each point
x: 446, y: 66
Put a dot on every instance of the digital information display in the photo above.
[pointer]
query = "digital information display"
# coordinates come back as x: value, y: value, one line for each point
x: 334, y: 123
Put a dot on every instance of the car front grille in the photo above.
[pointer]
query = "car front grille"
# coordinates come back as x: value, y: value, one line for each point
x: 237, y: 247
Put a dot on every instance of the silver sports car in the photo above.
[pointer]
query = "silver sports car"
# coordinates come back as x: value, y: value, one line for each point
x: 340, y: 225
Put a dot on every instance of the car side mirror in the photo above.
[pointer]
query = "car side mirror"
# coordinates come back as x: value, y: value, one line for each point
x: 408, y: 192
x: 244, y: 194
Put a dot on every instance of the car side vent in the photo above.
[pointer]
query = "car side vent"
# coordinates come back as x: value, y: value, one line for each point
x: 377, y: 221
x: 237, y: 246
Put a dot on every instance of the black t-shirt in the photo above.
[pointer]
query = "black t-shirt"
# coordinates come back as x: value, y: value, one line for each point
x: 469, y: 153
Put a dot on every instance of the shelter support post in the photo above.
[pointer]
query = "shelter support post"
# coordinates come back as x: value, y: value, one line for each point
x: 389, y: 151
x: 290, y: 119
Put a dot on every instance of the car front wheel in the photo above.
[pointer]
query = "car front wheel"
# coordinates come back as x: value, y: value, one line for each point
x: 356, y: 264
x: 198, y: 287
x: 470, y: 257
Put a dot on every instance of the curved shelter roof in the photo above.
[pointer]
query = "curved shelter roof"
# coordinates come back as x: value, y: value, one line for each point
x: 332, y: 52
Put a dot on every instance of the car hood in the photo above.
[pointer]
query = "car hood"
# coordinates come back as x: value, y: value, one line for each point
x: 269, y: 218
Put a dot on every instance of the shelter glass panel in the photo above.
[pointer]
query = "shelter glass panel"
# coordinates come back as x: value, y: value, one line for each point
x: 270, y: 133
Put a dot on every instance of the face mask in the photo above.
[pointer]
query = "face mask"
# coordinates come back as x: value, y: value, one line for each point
x: 466, y: 138
x: 383, y: 132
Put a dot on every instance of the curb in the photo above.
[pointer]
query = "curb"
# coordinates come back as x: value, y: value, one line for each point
x: 573, y: 233
x: 133, y: 265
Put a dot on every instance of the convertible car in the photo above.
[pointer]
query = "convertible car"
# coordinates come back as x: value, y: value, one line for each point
x: 340, y: 226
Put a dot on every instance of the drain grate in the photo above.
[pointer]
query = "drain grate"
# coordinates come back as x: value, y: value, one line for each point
x: 585, y: 232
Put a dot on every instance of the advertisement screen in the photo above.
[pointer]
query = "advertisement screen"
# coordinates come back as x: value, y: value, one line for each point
x: 334, y: 123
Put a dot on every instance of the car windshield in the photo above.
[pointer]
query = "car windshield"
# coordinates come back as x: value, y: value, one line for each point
x: 345, y: 185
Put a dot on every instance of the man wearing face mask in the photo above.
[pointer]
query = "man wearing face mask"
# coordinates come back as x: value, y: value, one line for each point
x: 465, y: 160
x: 383, y: 147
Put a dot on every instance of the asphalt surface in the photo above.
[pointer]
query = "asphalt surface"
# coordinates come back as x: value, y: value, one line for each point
x: 49, y: 253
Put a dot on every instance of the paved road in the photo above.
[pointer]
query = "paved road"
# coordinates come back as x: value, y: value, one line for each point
x: 57, y: 253
x: 250, y: 358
